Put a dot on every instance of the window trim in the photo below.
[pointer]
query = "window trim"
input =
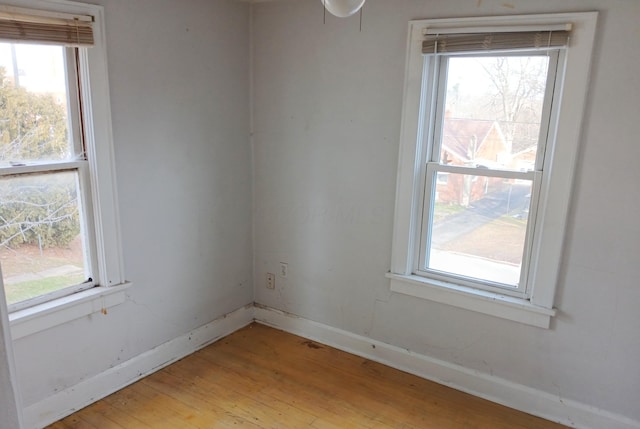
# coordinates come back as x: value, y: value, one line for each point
x: 94, y: 96
x: 439, y: 64
x: 76, y: 163
x: 556, y: 184
x: 46, y: 315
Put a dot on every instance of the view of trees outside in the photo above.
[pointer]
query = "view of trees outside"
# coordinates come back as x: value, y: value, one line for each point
x: 483, y: 234
x: 507, y: 89
x: 40, y: 245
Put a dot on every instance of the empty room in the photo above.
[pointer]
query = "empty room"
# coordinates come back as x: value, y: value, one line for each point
x: 319, y: 213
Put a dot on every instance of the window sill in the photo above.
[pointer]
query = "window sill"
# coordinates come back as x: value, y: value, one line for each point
x: 49, y: 314
x: 505, y: 307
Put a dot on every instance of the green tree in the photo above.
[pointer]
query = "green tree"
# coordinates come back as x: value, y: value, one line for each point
x: 35, y: 209
x: 32, y: 126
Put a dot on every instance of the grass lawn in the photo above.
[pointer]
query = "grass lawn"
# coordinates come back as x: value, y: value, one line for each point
x: 17, y: 292
x: 500, y: 240
x: 29, y: 271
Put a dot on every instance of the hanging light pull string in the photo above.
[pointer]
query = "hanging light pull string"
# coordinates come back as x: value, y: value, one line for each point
x: 324, y: 12
x: 340, y: 13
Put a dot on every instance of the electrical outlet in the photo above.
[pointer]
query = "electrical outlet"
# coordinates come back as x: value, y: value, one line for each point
x: 284, y: 269
x: 271, y: 281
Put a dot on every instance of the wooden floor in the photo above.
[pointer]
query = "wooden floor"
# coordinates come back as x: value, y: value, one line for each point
x: 260, y: 377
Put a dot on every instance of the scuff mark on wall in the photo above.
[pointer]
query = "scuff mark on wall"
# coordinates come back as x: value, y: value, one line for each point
x: 369, y: 329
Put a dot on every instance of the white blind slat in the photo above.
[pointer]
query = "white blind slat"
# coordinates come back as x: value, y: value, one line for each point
x: 503, y: 41
x: 18, y: 25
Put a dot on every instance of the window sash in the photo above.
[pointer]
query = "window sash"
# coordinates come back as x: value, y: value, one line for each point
x: 86, y: 225
x: 438, y: 66
x: 78, y: 163
x: 48, y: 167
x: 424, y: 242
x: 481, y: 171
x: 435, y: 70
x: 75, y: 125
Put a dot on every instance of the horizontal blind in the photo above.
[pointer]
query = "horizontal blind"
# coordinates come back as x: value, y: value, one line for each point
x: 478, y: 42
x: 39, y: 27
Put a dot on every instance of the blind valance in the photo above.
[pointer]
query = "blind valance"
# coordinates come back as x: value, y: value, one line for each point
x: 24, y: 25
x: 498, y: 41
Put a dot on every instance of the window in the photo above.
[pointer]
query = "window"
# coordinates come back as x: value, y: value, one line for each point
x: 58, y: 217
x: 492, y: 107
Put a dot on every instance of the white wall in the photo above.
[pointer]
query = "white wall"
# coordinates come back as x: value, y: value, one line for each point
x: 327, y: 102
x: 180, y: 102
x: 327, y: 108
x: 10, y: 405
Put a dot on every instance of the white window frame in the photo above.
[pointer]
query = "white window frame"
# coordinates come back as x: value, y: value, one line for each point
x: 103, y: 219
x: 437, y: 66
x: 535, y: 307
x: 77, y: 163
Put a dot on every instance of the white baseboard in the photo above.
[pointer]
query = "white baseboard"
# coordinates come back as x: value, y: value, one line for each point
x: 495, y: 389
x: 513, y: 395
x: 63, y: 403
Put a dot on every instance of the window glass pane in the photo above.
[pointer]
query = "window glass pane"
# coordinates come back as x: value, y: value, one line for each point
x: 493, y: 110
x: 41, y: 246
x: 33, y: 104
x: 478, y: 227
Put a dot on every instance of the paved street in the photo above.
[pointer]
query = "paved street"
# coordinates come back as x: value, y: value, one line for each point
x: 492, y: 206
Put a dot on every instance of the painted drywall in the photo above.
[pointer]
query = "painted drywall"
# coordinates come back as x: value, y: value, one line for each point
x: 179, y: 75
x: 10, y: 405
x: 327, y: 109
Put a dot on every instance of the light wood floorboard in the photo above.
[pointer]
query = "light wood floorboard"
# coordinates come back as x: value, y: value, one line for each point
x: 260, y: 378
